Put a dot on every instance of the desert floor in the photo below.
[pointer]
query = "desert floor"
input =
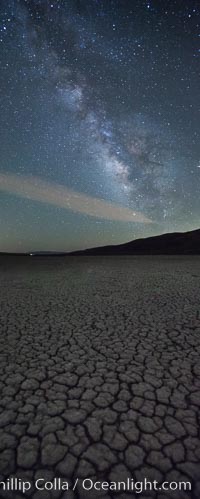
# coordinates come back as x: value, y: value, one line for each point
x: 100, y: 372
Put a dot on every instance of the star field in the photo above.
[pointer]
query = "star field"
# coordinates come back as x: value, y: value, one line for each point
x: 100, y: 99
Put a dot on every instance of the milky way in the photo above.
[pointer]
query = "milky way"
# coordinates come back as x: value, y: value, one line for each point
x: 100, y: 97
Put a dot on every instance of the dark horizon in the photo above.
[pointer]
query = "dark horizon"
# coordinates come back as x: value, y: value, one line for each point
x: 144, y: 240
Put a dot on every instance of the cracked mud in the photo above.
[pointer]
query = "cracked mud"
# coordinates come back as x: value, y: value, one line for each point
x: 100, y: 372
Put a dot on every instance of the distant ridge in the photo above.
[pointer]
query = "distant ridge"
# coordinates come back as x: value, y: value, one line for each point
x: 47, y: 253
x: 176, y: 243
x: 35, y: 253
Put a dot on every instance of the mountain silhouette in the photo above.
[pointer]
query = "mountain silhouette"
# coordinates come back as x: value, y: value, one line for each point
x: 176, y: 243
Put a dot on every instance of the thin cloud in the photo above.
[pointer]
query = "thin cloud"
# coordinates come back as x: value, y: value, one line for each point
x: 57, y: 195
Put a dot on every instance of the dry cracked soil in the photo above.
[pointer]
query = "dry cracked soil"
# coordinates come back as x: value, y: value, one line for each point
x: 100, y: 373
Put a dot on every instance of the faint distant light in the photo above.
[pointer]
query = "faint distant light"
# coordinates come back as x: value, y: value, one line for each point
x: 198, y: 166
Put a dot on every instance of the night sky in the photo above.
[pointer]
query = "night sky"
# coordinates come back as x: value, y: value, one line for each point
x: 99, y: 121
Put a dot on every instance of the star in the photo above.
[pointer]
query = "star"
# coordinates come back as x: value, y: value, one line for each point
x: 97, y: 98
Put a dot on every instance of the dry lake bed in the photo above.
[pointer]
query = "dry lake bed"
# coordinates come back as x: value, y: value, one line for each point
x: 100, y: 377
